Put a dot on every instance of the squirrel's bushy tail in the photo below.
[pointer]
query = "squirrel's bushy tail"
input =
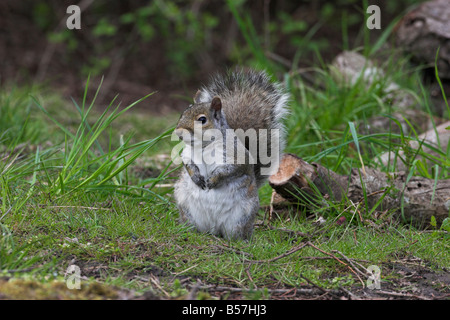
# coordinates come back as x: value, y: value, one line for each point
x: 250, y: 87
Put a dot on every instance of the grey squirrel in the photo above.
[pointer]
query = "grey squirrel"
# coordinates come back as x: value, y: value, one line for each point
x: 234, y: 139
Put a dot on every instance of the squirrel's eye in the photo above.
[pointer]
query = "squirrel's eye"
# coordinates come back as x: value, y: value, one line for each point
x: 202, y: 119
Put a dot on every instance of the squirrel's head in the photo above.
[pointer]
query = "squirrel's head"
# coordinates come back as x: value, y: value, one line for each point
x: 198, y: 118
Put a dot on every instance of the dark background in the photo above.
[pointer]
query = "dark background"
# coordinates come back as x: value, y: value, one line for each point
x: 171, y: 46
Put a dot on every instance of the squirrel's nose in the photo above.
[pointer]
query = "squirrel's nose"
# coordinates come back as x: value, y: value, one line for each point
x: 179, y: 133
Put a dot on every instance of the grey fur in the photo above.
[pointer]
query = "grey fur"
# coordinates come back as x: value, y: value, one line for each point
x: 250, y: 101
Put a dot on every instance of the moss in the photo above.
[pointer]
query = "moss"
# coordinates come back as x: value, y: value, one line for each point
x: 21, y: 289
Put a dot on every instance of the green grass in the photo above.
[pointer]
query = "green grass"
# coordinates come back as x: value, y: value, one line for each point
x: 85, y: 160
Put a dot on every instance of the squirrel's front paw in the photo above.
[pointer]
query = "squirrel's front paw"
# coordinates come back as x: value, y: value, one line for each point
x: 211, y: 183
x: 200, y: 181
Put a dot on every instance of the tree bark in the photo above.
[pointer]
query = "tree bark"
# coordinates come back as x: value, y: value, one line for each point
x: 420, y: 198
x: 425, y: 29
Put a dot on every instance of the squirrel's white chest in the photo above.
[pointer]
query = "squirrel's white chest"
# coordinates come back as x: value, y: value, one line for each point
x: 217, y: 210
x: 206, y: 160
x: 221, y: 210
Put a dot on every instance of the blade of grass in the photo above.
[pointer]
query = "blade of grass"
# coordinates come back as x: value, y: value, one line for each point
x: 444, y: 96
x: 384, y: 36
x: 436, y: 175
x: 356, y: 141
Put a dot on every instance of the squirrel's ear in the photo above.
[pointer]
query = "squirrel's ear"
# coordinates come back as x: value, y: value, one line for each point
x: 216, y: 104
x: 197, y: 96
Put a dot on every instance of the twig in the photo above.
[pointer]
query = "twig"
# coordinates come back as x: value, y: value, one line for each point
x: 7, y: 211
x: 352, y: 267
x: 311, y: 291
x: 270, y: 206
x: 330, y: 258
x: 352, y: 263
x: 293, y: 295
x: 194, y: 289
x: 337, y: 259
x: 399, y: 294
x: 185, y: 270
x: 154, y: 280
x: 232, y: 250
x: 249, y: 275
x: 293, y: 250
x: 352, y: 295
x: 314, y: 285
x: 298, y: 233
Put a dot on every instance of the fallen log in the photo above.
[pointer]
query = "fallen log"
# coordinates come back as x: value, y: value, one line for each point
x: 424, y: 35
x: 420, y: 198
x: 425, y: 29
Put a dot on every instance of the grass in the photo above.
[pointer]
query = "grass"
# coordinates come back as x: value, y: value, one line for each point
x: 88, y: 192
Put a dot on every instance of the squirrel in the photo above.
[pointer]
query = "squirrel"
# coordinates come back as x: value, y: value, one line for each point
x: 234, y: 120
